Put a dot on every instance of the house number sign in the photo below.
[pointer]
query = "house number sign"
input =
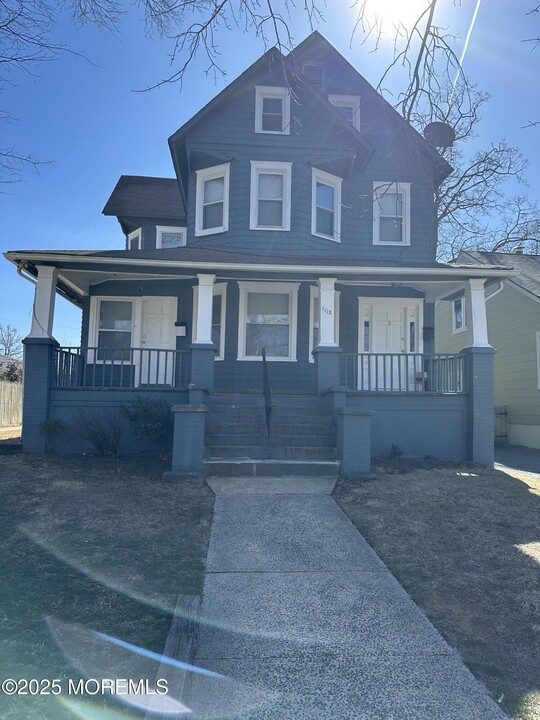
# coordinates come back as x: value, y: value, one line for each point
x: 326, y: 310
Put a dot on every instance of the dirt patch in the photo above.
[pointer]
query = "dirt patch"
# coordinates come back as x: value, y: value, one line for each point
x: 98, y: 544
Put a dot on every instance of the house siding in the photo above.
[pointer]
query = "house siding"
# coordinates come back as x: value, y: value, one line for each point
x: 513, y: 321
x: 312, y: 142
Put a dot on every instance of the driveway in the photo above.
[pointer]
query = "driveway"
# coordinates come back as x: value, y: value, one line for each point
x: 516, y: 457
x: 301, y: 619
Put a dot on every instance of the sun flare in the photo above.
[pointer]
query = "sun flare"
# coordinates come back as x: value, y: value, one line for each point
x: 389, y: 15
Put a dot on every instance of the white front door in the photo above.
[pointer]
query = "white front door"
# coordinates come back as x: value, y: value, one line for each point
x: 389, y: 332
x: 156, y: 362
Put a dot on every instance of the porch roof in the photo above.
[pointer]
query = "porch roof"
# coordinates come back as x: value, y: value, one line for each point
x: 78, y: 269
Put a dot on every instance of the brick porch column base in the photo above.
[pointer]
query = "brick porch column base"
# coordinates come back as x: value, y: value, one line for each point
x: 354, y: 442
x: 188, y: 441
x: 38, y: 378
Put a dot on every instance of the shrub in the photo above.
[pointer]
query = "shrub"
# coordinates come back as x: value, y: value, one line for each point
x: 13, y: 371
x: 50, y: 429
x: 153, y: 420
x: 102, y: 427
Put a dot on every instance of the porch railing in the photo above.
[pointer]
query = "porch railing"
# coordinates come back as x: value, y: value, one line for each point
x: 403, y: 372
x: 109, y: 368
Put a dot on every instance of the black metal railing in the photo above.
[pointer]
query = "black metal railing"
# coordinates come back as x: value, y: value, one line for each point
x: 403, y: 372
x: 267, y: 395
x: 109, y: 368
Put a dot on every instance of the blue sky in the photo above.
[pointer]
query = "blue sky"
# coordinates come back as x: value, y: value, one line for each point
x: 85, y: 116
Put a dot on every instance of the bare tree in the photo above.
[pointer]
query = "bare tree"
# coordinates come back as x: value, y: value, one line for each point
x: 10, y: 341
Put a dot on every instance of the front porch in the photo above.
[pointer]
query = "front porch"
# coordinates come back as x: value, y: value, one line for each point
x: 361, y: 340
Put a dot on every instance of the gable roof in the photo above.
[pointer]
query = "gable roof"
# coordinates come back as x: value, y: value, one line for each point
x: 527, y: 266
x: 139, y: 196
x: 443, y: 166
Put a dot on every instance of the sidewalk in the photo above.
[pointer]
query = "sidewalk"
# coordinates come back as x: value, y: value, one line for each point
x: 304, y: 621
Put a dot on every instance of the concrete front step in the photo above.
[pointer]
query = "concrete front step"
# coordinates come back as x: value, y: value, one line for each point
x: 258, y: 452
x: 268, y: 468
x: 228, y: 438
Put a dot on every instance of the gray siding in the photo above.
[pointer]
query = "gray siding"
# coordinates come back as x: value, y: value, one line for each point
x: 513, y: 321
x: 229, y: 133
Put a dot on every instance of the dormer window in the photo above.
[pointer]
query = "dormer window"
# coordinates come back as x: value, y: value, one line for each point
x: 391, y: 213
x: 348, y: 106
x: 314, y: 72
x: 212, y: 207
x: 134, y: 240
x: 170, y: 237
x: 272, y: 110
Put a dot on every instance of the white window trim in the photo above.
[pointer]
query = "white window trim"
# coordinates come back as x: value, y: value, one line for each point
x: 269, y: 91
x: 315, y: 293
x: 93, y: 325
x: 463, y: 328
x: 268, y: 287
x: 352, y: 101
x: 212, y: 173
x: 131, y: 236
x: 405, y: 190
x: 161, y: 229
x: 218, y: 289
x: 283, y: 168
x: 335, y: 182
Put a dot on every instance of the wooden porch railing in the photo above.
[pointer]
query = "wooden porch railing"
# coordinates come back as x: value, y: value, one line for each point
x: 403, y: 372
x: 109, y: 368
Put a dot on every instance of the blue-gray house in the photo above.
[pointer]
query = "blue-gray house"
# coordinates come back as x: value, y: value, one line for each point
x: 300, y: 224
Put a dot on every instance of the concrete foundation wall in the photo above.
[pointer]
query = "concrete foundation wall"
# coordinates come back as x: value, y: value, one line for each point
x: 418, y: 424
x: 65, y: 402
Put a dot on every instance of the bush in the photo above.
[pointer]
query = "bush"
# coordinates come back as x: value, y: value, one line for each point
x: 102, y: 427
x: 153, y: 420
x: 13, y: 371
x: 50, y: 429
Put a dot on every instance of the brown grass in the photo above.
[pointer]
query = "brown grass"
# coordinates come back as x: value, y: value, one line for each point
x: 97, y: 543
x: 464, y: 542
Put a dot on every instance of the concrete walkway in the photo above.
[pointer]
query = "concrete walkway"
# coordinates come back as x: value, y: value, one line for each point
x: 302, y: 620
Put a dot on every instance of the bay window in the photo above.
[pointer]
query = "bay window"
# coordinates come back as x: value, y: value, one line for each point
x: 326, y: 205
x: 212, y: 202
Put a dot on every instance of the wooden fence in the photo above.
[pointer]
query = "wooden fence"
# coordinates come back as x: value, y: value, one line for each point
x: 10, y: 403
x: 501, y: 425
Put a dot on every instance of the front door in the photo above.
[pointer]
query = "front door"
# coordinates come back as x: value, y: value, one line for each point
x: 157, y: 359
x: 389, y: 338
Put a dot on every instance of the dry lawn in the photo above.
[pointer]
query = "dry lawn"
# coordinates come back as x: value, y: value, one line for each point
x: 464, y: 542
x: 96, y: 543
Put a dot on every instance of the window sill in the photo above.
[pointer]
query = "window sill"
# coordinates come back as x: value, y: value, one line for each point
x: 211, y: 231
x: 258, y: 358
x: 326, y: 237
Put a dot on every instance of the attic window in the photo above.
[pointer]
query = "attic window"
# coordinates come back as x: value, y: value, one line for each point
x: 348, y: 106
x: 314, y: 72
x: 170, y: 237
x: 272, y: 110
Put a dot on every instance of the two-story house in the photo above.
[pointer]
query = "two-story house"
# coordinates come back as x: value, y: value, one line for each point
x: 300, y: 225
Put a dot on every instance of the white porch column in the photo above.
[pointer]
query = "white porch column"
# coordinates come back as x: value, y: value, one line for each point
x: 44, y: 297
x: 475, y: 313
x: 327, y: 311
x: 204, y: 309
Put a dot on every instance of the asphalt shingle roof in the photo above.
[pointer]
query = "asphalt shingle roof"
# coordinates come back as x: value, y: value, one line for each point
x: 528, y: 267
x: 138, y: 196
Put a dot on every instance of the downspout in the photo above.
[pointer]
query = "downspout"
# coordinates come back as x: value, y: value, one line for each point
x: 21, y: 267
x: 497, y: 291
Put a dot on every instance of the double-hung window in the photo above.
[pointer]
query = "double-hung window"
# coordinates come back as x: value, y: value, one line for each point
x: 272, y: 110
x: 391, y: 213
x: 458, y: 315
x: 114, y: 329
x: 212, y: 205
x: 348, y: 106
x: 270, y: 196
x: 326, y: 205
x: 267, y: 320
x: 170, y: 237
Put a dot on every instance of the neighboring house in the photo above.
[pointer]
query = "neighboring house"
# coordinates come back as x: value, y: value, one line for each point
x: 300, y: 221
x: 513, y: 314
